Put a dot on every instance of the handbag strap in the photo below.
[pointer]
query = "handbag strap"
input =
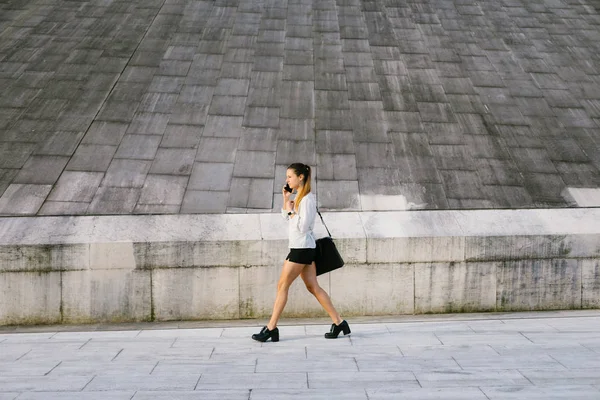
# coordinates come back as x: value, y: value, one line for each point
x: 323, y: 222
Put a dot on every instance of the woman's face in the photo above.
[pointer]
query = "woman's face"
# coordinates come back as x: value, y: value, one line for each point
x: 293, y: 180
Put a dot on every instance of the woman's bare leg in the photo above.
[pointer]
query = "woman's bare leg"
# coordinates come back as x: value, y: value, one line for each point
x: 289, y: 273
x: 309, y: 276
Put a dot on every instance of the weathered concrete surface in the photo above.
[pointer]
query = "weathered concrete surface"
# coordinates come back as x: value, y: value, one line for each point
x: 181, y: 106
x: 549, y: 356
x: 174, y: 267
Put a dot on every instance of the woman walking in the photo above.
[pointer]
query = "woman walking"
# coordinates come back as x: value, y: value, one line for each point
x: 300, y: 214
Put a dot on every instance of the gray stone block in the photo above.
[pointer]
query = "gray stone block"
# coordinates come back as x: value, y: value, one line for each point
x: 189, y: 114
x: 23, y: 199
x: 126, y: 173
x: 163, y: 190
x: 114, y: 200
x: 173, y: 161
x: 533, y: 160
x: 217, y: 149
x: 429, y: 93
x: 204, y: 202
x: 436, y: 112
x: 27, y: 291
x: 174, y: 67
x: 264, y: 97
x: 100, y: 295
x: 41, y: 169
x: 364, y: 91
x: 227, y: 105
x: 243, y: 55
x: 148, y: 124
x: 105, y: 133
x: 223, y: 126
x: 258, y: 139
x: 196, y: 94
x: 418, y: 169
x: 332, y: 99
x: 118, y: 111
x: 297, y: 100
x: 374, y: 155
x: 296, y: 129
x: 338, y: 194
x: 460, y: 287
x: 261, y: 117
x: 337, y: 167
x: 338, y: 142
x: 236, y: 70
x: 205, y: 61
x: 298, y: 57
x: 181, y: 136
x: 290, y: 151
x: 324, y: 66
x: 410, y: 144
x: 368, y: 124
x: 92, y: 157
x: 60, y: 143
x: 166, y: 84
x: 254, y: 164
x: 462, y: 185
x: 6, y: 177
x: 63, y: 208
x: 509, y: 196
x: 211, y: 177
x: 232, y: 87
x: 557, y: 284
x: 251, y: 193
x: 298, y: 73
x: 330, y: 81
x: 545, y: 189
x: 262, y: 79
x: 158, y: 102
x: 141, y: 147
x: 76, y: 186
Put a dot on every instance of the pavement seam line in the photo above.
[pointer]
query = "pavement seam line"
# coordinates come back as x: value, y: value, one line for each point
x: 114, y: 358
x: 198, y: 381
x: 24, y: 355
x: 524, y: 376
x: 46, y: 374
x: 155, y: 365
x: 416, y: 379
x: 457, y: 363
x: 86, y: 385
x: 552, y: 357
x: 89, y: 340
x: 486, y: 396
x: 525, y: 336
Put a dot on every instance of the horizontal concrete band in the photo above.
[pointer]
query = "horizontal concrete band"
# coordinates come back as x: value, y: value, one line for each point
x: 130, y: 268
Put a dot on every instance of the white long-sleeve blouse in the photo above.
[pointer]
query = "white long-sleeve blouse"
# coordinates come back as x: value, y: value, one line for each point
x: 301, y: 225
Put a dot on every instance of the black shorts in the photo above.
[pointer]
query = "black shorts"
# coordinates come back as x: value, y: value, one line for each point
x: 302, y: 256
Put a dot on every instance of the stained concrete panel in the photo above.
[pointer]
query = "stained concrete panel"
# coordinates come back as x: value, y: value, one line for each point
x: 113, y: 295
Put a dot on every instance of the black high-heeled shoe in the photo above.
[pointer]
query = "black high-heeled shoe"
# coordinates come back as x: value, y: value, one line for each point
x: 265, y: 334
x: 336, y: 329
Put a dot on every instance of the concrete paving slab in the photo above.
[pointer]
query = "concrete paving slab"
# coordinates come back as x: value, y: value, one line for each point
x: 194, y: 395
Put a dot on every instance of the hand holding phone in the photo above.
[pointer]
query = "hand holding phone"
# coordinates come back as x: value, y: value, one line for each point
x: 288, y: 188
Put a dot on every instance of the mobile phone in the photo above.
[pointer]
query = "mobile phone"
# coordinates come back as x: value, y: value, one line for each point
x: 288, y: 188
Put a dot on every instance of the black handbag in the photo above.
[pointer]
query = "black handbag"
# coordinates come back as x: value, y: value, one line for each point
x: 328, y: 257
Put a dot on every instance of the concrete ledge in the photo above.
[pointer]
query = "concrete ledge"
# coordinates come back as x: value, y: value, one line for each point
x: 166, y: 267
